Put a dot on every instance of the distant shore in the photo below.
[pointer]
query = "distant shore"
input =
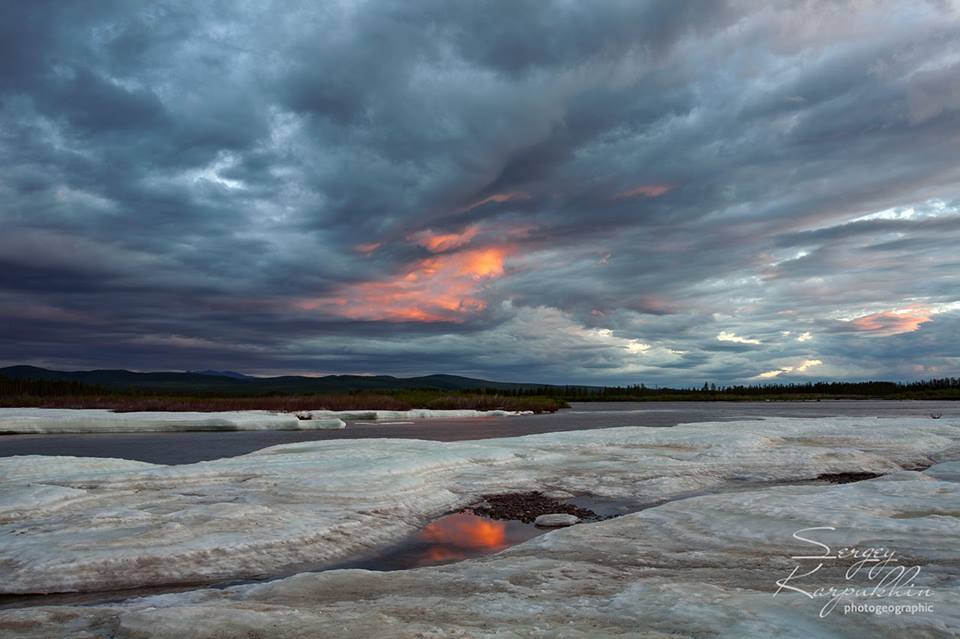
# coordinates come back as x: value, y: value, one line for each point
x: 135, y: 402
x: 401, y: 401
x: 191, y: 395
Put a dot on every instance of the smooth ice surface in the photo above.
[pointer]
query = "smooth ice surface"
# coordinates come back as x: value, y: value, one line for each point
x: 96, y: 420
x: 700, y: 567
x: 416, y: 413
x: 69, y: 524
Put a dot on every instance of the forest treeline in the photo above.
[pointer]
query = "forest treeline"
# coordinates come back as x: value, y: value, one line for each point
x: 942, y: 388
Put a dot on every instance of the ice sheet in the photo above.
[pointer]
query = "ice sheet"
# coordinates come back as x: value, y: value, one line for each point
x: 58, y: 420
x: 106, y: 524
x: 705, y: 566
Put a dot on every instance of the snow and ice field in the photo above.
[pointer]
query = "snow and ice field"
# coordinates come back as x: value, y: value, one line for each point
x: 700, y: 566
x: 60, y: 420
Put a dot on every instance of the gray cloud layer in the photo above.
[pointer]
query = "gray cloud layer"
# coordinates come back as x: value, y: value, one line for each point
x: 568, y: 192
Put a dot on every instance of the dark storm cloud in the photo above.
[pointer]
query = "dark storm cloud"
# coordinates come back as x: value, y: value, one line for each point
x: 610, y: 191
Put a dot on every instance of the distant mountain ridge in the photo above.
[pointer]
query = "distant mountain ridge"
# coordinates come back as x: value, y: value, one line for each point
x: 232, y: 374
x: 228, y: 381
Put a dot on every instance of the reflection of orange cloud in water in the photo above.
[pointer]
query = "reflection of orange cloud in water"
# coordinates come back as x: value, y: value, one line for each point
x: 461, y: 535
x: 437, y: 289
x: 464, y: 530
x: 892, y: 322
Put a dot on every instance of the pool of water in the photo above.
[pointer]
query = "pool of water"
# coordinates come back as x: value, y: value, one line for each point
x: 450, y: 538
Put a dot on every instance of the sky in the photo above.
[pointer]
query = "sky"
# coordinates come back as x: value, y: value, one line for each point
x: 565, y: 192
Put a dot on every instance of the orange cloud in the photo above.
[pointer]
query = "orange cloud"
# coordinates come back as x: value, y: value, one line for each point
x: 892, y: 322
x: 440, y: 243
x: 647, y: 190
x: 441, y: 288
x: 498, y: 198
x: 367, y: 248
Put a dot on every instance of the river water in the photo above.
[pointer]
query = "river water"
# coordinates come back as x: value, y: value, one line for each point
x: 183, y: 448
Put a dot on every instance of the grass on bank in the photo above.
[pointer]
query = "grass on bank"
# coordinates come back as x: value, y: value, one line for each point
x: 292, y: 403
x: 56, y: 394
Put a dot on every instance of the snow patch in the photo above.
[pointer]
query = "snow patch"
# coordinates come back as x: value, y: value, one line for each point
x: 403, y: 415
x: 62, y: 420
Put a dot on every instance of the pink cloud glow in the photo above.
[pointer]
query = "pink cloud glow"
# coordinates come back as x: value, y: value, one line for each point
x: 441, y: 243
x: 442, y: 288
x: 892, y: 322
x: 646, y: 190
x: 367, y: 248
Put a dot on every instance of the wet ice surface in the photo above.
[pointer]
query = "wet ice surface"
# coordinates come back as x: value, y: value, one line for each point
x: 450, y: 538
x: 185, y: 448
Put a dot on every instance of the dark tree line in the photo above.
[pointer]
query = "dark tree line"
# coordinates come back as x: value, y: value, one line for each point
x: 10, y: 387
x: 946, y: 388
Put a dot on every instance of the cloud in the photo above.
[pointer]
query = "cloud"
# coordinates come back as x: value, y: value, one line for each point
x: 442, y: 242
x: 726, y: 336
x: 401, y: 187
x: 649, y: 190
x: 799, y: 368
x: 496, y: 198
x: 892, y: 322
x: 437, y: 289
x: 367, y: 247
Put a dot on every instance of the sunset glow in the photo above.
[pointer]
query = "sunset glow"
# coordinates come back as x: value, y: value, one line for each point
x: 441, y: 242
x: 368, y: 247
x: 443, y: 288
x: 892, y: 322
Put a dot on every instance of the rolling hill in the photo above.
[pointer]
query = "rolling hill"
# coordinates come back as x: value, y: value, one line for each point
x: 235, y: 383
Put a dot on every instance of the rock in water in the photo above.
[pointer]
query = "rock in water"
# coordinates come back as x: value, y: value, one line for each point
x: 556, y: 520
